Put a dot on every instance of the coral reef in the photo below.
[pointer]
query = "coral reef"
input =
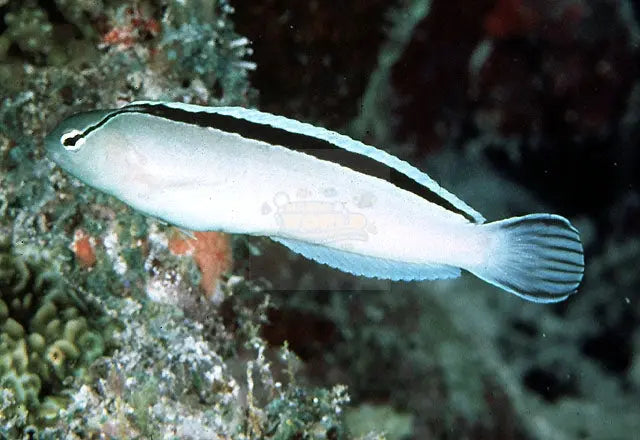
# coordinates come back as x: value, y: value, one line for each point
x: 191, y: 368
x: 211, y: 251
x: 46, y: 340
x: 218, y: 61
x: 168, y: 378
x: 35, y: 33
x: 30, y: 29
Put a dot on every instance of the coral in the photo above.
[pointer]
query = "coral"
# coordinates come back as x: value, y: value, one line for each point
x: 212, y: 253
x: 199, y: 39
x: 83, y: 247
x: 134, y: 26
x: 166, y: 378
x: 30, y: 29
x: 45, y: 339
x: 396, y: 426
x: 179, y: 369
x: 82, y: 13
x: 289, y: 410
x: 321, y: 416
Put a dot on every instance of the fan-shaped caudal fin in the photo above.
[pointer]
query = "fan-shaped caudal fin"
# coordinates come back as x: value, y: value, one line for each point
x: 538, y: 257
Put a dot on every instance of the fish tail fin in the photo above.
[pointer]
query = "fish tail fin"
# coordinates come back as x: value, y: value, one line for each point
x: 538, y: 257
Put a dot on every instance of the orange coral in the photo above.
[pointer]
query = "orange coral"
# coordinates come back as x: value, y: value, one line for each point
x: 83, y: 248
x: 211, y: 252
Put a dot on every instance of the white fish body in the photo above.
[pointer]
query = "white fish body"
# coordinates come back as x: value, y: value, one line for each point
x: 322, y: 194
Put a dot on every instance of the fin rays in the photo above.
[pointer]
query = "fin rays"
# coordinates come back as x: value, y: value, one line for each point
x: 537, y: 257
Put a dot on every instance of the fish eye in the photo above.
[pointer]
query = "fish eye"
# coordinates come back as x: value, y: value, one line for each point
x: 72, y: 140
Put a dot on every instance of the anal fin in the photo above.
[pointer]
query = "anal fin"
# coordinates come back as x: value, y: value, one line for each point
x: 372, y: 267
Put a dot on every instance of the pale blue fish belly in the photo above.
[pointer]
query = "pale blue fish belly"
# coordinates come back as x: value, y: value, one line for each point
x: 324, y: 195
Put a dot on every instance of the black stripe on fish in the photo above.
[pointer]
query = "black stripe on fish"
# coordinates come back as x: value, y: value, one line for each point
x: 566, y: 249
x: 558, y: 259
x: 572, y: 237
x: 565, y: 230
x: 319, y: 148
x: 563, y: 270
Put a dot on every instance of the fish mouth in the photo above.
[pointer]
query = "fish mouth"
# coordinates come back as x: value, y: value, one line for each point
x: 58, y: 157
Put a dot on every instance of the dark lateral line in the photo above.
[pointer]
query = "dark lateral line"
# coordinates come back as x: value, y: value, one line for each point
x: 318, y: 148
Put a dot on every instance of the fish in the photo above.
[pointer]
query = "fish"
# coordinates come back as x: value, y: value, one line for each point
x: 322, y: 194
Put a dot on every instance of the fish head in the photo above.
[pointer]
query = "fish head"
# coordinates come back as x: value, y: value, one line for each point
x: 79, y: 147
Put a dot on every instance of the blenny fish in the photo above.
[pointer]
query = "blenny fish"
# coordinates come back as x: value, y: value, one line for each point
x: 324, y: 195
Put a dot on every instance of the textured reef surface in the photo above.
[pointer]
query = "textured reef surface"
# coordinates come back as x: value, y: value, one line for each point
x: 117, y: 326
x: 45, y: 340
